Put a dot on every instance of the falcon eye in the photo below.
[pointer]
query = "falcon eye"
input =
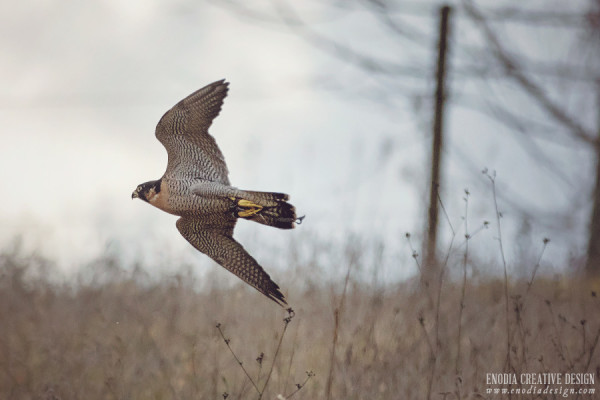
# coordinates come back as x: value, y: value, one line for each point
x: 139, y: 189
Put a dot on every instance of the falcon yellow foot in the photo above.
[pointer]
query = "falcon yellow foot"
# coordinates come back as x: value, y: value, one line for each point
x: 246, y: 208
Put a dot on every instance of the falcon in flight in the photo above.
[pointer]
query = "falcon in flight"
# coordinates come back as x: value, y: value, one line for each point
x: 195, y: 187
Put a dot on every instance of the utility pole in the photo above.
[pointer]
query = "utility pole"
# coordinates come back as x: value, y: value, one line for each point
x: 436, y: 152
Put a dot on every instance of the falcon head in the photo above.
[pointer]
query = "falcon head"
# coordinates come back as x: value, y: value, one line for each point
x: 146, y: 190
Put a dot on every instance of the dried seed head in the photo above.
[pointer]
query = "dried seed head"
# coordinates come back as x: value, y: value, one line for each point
x: 290, y: 312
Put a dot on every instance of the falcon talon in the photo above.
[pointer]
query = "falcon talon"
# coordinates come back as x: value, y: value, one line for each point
x: 196, y: 188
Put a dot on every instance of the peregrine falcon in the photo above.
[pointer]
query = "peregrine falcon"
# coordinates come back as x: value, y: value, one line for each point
x: 195, y: 187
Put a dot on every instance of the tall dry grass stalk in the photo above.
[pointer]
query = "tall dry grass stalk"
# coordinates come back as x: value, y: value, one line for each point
x: 257, y: 381
x: 492, y: 179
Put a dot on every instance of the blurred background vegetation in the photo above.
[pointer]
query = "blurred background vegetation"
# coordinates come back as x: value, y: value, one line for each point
x: 114, y: 332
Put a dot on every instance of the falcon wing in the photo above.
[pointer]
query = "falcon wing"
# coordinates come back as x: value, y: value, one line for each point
x: 217, y: 243
x: 183, y: 130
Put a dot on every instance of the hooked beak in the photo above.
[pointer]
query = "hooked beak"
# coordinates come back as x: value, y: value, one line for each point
x: 134, y: 195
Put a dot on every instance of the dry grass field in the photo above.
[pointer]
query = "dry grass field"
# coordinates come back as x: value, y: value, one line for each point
x: 122, y: 335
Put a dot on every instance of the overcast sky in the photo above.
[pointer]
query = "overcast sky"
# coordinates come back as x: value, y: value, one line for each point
x: 84, y: 84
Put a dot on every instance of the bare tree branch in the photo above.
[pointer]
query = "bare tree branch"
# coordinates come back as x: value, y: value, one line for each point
x: 382, y: 12
x: 537, y: 17
x: 517, y: 124
x: 514, y: 71
x: 366, y: 63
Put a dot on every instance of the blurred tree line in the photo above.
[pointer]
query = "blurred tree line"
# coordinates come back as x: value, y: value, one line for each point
x: 543, y: 96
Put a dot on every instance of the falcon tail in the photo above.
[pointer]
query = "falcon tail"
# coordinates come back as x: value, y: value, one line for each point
x: 266, y: 208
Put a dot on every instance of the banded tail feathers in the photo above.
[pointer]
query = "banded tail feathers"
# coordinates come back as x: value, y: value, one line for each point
x: 266, y: 208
